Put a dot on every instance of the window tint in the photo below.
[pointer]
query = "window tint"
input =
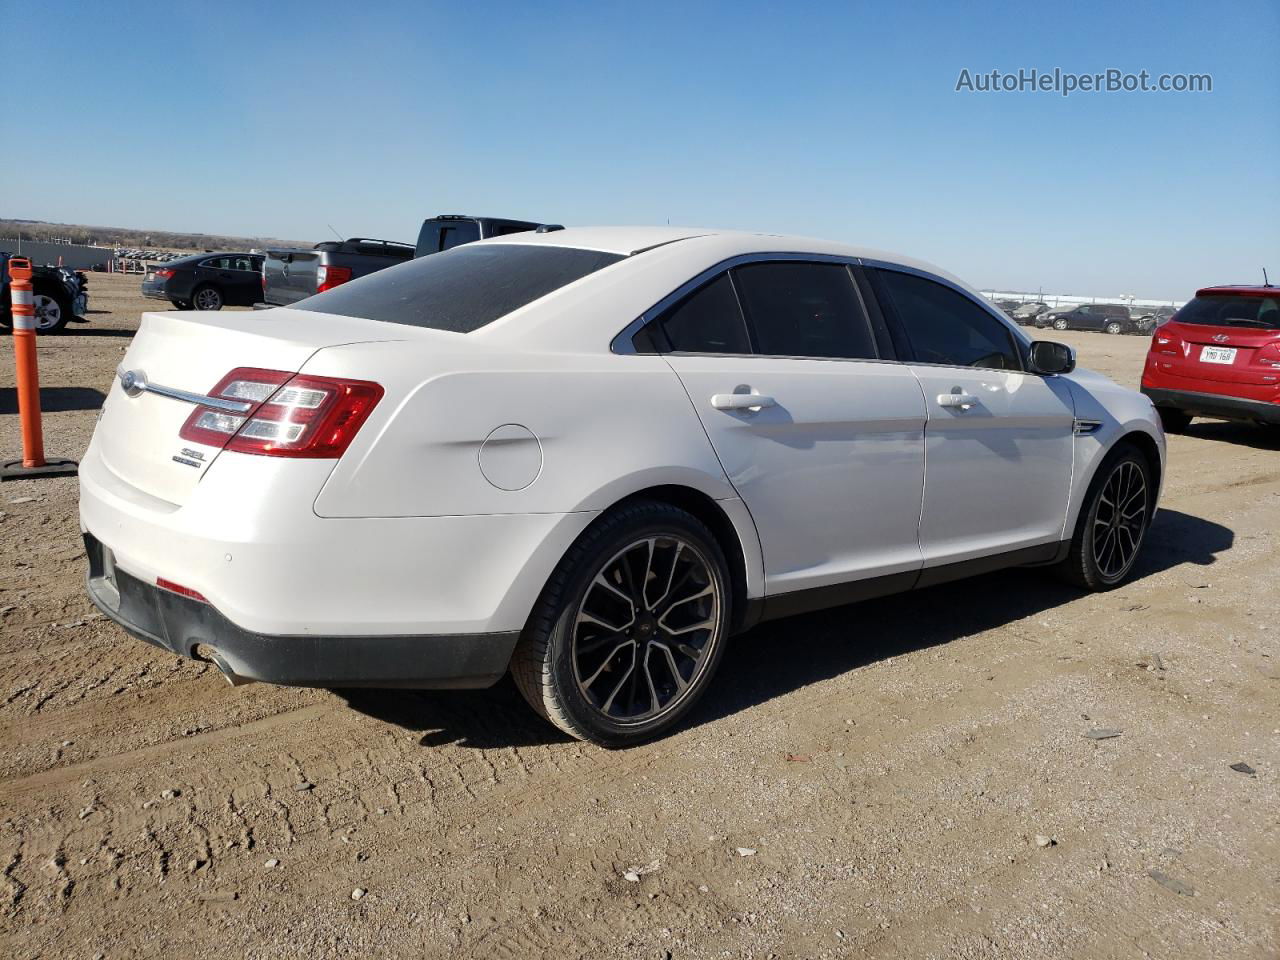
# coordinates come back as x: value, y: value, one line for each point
x: 804, y: 310
x: 455, y: 234
x: 707, y: 321
x: 1232, y: 311
x: 216, y: 263
x: 947, y: 327
x: 460, y: 290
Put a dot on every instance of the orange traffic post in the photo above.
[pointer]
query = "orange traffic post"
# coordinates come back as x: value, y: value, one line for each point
x: 33, y: 463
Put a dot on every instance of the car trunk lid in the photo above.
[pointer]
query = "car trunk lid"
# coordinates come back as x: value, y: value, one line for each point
x: 1221, y: 354
x: 174, y: 359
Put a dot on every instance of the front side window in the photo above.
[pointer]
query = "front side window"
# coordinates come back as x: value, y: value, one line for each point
x: 946, y: 327
x: 460, y: 290
x: 707, y: 321
x: 798, y: 309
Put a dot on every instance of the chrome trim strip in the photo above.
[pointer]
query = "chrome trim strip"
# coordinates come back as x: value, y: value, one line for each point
x: 134, y: 382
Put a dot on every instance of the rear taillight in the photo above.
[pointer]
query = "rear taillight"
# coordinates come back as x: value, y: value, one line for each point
x: 290, y: 415
x: 329, y: 277
x: 163, y: 274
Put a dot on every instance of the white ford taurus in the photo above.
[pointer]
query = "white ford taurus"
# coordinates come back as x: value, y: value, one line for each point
x: 591, y: 456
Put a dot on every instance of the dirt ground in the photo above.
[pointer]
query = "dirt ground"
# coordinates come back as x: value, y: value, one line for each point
x: 865, y: 782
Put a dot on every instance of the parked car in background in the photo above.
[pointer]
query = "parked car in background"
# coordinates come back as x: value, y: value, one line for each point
x: 292, y: 275
x: 1218, y: 356
x: 1107, y: 317
x: 1159, y: 315
x: 207, y: 281
x: 59, y: 295
x: 450, y: 230
x: 1025, y: 314
x: 590, y: 456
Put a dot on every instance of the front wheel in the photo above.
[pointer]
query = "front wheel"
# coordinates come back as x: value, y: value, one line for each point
x: 1113, y: 521
x: 207, y: 298
x: 52, y: 312
x: 630, y: 628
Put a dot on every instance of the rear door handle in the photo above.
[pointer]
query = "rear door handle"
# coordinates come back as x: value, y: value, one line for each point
x: 741, y: 401
x: 961, y: 401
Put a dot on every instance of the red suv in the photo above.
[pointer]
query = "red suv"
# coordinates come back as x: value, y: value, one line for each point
x: 1218, y: 356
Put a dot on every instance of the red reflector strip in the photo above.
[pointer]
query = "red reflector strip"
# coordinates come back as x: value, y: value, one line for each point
x: 180, y: 590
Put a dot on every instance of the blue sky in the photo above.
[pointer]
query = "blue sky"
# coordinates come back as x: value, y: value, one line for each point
x: 839, y: 121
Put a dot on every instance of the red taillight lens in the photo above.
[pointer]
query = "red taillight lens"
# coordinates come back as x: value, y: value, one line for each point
x: 329, y: 277
x: 291, y: 415
x: 163, y: 274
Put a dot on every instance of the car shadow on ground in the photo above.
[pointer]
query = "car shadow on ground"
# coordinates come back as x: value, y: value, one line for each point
x: 1241, y: 434
x: 785, y: 655
x: 55, y: 399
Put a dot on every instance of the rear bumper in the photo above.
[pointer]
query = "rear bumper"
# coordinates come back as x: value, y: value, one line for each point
x: 193, y: 629
x: 1214, y: 405
x: 154, y: 289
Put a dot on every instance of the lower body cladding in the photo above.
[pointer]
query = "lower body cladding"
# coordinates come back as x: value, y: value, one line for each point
x: 1215, y: 405
x: 192, y: 628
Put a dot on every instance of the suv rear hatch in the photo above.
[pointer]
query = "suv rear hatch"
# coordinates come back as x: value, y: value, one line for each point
x: 138, y: 433
x: 1223, y: 338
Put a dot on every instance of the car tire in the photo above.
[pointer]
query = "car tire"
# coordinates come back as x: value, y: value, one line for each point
x: 1114, y: 328
x: 1059, y: 324
x: 1173, y: 420
x: 579, y: 638
x: 1113, y: 521
x: 206, y: 297
x: 53, y: 311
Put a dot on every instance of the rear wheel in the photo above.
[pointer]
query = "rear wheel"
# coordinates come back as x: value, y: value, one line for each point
x: 207, y: 298
x: 1060, y: 324
x: 1113, y: 327
x: 1173, y: 421
x: 1113, y: 521
x: 630, y: 628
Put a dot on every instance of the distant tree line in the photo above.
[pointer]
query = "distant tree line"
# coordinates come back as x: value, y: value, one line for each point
x: 123, y: 237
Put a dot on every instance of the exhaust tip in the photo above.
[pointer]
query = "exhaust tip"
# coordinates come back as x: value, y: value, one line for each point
x: 202, y: 651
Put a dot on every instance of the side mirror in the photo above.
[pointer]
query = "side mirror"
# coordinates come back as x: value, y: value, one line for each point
x: 1048, y: 357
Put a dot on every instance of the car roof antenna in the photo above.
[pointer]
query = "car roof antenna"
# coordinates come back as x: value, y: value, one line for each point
x: 1265, y: 282
x: 341, y: 238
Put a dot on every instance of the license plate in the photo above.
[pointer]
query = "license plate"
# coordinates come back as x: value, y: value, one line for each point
x: 1217, y: 354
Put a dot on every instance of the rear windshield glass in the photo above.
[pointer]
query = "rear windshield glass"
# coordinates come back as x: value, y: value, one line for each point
x: 1232, y: 311
x: 463, y: 289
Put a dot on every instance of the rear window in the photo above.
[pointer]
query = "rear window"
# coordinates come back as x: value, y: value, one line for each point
x: 460, y: 290
x: 1232, y: 311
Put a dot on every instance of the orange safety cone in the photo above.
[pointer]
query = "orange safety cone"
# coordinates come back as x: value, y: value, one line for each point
x: 33, y: 463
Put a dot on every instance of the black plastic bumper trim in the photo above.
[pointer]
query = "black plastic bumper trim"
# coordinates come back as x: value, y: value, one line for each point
x: 1212, y: 405
x: 181, y: 624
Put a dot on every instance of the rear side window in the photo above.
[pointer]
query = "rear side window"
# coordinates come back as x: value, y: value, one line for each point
x: 1232, y: 311
x: 439, y: 235
x: 707, y: 321
x: 946, y: 327
x: 800, y: 309
x: 461, y: 290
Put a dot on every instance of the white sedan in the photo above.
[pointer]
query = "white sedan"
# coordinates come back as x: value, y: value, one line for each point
x: 591, y: 456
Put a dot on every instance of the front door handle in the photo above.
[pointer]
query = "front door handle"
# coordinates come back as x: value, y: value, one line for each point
x: 741, y: 401
x: 960, y: 401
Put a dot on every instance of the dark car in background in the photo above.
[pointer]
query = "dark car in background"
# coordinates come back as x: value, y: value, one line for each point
x: 59, y: 294
x: 450, y: 230
x: 1025, y: 314
x: 207, y: 281
x: 1107, y: 317
x: 292, y: 275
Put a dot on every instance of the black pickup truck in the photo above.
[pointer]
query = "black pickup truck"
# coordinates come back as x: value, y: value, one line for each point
x: 450, y: 230
x: 292, y: 275
x: 59, y: 293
